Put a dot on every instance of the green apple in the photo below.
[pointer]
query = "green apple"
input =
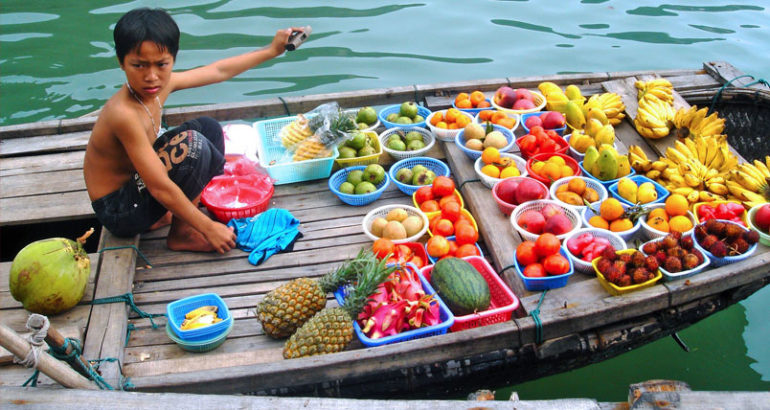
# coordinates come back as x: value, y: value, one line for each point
x: 408, y: 109
x: 347, y: 188
x: 404, y: 175
x: 412, y: 135
x: 365, y: 187
x: 357, y: 140
x: 414, y: 145
x: 355, y: 177
x: 404, y: 120
x: 347, y: 152
x: 417, y: 119
x: 367, y: 115
x: 397, y: 145
x: 374, y: 173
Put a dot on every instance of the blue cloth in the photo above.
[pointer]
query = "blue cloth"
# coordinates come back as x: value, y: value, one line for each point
x: 266, y: 234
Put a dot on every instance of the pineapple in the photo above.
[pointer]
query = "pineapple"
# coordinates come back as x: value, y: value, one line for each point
x: 331, y: 329
x: 287, y: 307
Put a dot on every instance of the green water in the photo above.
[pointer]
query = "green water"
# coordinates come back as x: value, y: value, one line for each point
x: 57, y: 61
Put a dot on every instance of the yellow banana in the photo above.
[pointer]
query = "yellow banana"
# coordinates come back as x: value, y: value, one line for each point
x: 759, y: 165
x: 201, y: 310
x: 684, y: 190
x: 693, y: 196
x: 719, y: 189
x: 675, y: 155
x: 691, y: 180
x: 652, y: 174
x: 659, y: 165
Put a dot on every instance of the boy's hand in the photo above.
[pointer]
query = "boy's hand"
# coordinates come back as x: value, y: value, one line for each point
x: 278, y: 46
x: 221, y: 237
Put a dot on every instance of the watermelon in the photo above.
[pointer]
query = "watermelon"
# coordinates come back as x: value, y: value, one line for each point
x: 460, y: 286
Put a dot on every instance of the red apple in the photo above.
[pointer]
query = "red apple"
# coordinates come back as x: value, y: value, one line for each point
x: 524, y: 94
x: 558, y: 224
x: 529, y: 190
x: 550, y: 210
x: 505, y: 96
x: 553, y: 120
x: 762, y: 217
x: 532, y: 221
x: 523, y: 104
x: 533, y: 121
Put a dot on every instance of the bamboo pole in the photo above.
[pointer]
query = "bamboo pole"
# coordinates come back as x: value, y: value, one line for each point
x: 51, y: 367
x: 56, y: 339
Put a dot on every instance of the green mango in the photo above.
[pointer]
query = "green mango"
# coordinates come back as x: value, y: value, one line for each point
x: 591, y: 156
x: 608, y: 164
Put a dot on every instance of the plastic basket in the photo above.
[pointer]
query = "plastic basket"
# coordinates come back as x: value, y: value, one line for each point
x: 418, y: 249
x: 424, y: 112
x: 456, y: 194
x: 639, y: 180
x: 590, y: 183
x: 473, y: 154
x: 579, y: 156
x: 561, y: 142
x: 366, y: 159
x: 372, y: 127
x: 382, y: 211
x: 652, y: 233
x: 176, y: 311
x: 427, y: 137
x: 669, y: 276
x: 435, y: 165
x: 465, y: 212
x: 539, y: 104
x: 764, y: 237
x: 727, y: 259
x: 446, y: 316
x: 571, y: 214
x: 569, y: 161
x: 502, y: 301
x: 488, y: 181
x: 235, y: 196
x: 524, y: 117
x: 447, y: 135
x: 202, y: 345
x: 546, y: 282
x: 449, y: 238
x: 505, y: 207
x: 352, y: 199
x: 474, y: 111
x: 616, y: 290
x: 743, y: 216
x: 626, y: 235
x: 272, y: 155
x: 605, y: 183
x: 516, y: 117
x: 585, y: 266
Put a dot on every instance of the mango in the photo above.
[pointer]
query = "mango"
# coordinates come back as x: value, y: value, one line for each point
x: 607, y: 165
x: 590, y: 159
x: 569, y: 197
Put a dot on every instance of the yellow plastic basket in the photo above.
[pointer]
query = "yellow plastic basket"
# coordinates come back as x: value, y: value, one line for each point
x: 616, y: 290
x: 463, y: 211
x: 367, y: 159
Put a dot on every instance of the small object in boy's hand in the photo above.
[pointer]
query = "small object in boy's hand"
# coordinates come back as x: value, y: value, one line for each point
x: 298, y: 37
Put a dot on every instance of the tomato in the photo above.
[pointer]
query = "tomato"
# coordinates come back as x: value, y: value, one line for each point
x: 451, y: 210
x: 527, y: 143
x: 452, y: 247
x: 433, y: 221
x: 446, y: 199
x: 444, y: 227
x: 443, y: 186
x: 525, y: 253
x: 556, y: 264
x: 547, y: 244
x: 534, y: 270
x: 465, y: 233
x: 467, y: 249
x: 548, y: 145
x: 430, y: 205
x: 424, y: 193
x: 382, y: 247
x: 437, y: 246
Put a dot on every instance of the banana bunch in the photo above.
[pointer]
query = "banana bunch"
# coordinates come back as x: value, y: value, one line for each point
x: 748, y: 182
x: 556, y: 100
x: 295, y: 132
x: 610, y: 104
x: 200, y: 317
x: 694, y: 122
x: 697, y: 168
x: 656, y: 109
x: 311, y: 148
x: 659, y: 87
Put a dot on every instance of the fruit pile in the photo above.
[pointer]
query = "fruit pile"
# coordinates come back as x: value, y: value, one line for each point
x: 550, y: 219
x: 417, y: 175
x: 360, y: 182
x: 553, y: 168
x: 541, y: 257
x: 643, y: 193
x: 598, y: 131
x: 477, y: 137
x: 516, y: 99
x: 610, y: 104
x: 497, y: 166
x: 576, y: 192
x: 516, y: 191
x: 724, y: 238
x: 476, y: 99
x: 727, y: 210
x: 539, y: 141
x: 366, y: 117
x: 672, y: 217
x: 605, y: 163
x: 587, y: 246
x: 500, y: 118
x: 396, y: 225
x: 399, y: 254
x: 407, y: 114
x: 611, y: 216
x: 450, y: 119
x: 655, y: 111
x: 359, y: 144
x: 404, y: 141
x: 627, y: 267
x: 548, y: 120
x: 435, y: 197
x: 674, y: 253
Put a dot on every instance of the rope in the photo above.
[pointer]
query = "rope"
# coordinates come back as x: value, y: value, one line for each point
x: 285, y: 106
x: 466, y: 181
x: 536, y: 317
x: 36, y: 340
x: 414, y: 87
x: 128, y: 298
x: 111, y: 248
x: 718, y: 95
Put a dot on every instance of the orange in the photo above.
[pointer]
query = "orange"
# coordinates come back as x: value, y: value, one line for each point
x: 620, y: 225
x: 576, y: 185
x: 507, y: 122
x: 464, y: 103
x: 462, y: 121
x: 477, y: 97
x: 563, y: 188
x: 658, y: 223
x: 508, y: 172
x: 598, y: 222
x: 486, y: 115
x: 442, y: 124
x: 677, y: 204
x: 680, y: 223
x: 461, y: 96
x: 497, y: 116
x: 490, y: 155
x: 611, y: 209
x: 484, y: 104
x: 453, y: 126
x: 452, y: 114
x: 490, y: 170
x: 436, y: 118
x: 658, y: 213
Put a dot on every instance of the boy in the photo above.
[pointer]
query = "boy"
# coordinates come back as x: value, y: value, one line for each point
x: 137, y: 182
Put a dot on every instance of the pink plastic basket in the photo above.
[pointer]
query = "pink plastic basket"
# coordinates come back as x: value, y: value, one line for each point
x: 235, y: 196
x: 502, y: 301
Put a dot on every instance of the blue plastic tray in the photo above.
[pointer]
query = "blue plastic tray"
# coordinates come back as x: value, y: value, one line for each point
x: 351, y: 199
x: 639, y: 180
x: 396, y: 108
x: 605, y: 183
x: 473, y: 154
x: 548, y: 282
x: 176, y: 310
x: 727, y: 259
x: 524, y: 117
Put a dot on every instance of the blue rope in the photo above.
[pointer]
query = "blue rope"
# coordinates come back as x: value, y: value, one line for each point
x: 536, y: 317
x: 32, y: 381
x: 128, y: 298
x: 110, y: 248
x: 718, y: 95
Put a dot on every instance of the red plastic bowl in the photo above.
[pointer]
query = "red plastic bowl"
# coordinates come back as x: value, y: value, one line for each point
x: 563, y: 148
x: 571, y: 162
x: 236, y: 196
x: 505, y: 207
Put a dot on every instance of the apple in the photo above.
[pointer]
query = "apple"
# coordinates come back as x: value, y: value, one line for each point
x: 505, y: 96
x: 762, y: 217
x: 557, y: 224
x: 524, y: 94
x: 532, y: 221
x: 533, y: 121
x: 553, y: 120
x: 529, y: 190
x: 523, y: 104
x: 408, y: 109
x: 550, y: 210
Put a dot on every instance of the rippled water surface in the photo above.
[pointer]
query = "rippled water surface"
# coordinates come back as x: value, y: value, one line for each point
x: 57, y: 61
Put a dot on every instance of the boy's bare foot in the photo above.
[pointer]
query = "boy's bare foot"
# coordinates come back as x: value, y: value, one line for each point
x: 163, y: 221
x: 183, y: 237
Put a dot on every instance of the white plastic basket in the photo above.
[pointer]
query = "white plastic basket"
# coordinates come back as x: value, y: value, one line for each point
x: 382, y: 211
x: 590, y: 183
x: 585, y: 267
x: 372, y: 127
x: 652, y: 233
x: 490, y: 182
x: 427, y: 137
x: 572, y: 214
x: 447, y: 135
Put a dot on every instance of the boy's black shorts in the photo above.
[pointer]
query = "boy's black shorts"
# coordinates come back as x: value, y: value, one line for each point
x: 192, y: 154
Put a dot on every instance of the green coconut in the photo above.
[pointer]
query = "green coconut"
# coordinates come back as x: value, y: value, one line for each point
x: 49, y: 276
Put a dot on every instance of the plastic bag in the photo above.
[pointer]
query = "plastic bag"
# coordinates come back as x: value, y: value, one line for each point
x: 240, y: 166
x: 241, y: 139
x: 315, y: 134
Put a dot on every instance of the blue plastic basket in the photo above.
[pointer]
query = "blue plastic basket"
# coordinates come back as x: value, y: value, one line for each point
x: 446, y: 316
x: 175, y: 311
x: 626, y: 235
x: 450, y: 238
x: 548, y: 282
x: 473, y: 154
x: 424, y: 112
x: 639, y: 180
x: 352, y: 199
x: 475, y: 111
x: 272, y: 155
x: 669, y: 276
x: 727, y: 259
x: 432, y: 164
x: 605, y: 183
x: 524, y: 117
x: 202, y: 345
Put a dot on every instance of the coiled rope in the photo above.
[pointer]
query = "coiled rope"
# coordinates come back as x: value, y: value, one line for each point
x: 718, y: 95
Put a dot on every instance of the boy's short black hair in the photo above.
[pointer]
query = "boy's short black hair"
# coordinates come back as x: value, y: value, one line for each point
x: 145, y: 24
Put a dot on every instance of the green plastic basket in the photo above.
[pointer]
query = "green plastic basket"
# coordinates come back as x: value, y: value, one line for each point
x: 201, y: 345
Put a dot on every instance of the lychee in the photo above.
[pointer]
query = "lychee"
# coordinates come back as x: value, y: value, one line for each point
x: 690, y: 261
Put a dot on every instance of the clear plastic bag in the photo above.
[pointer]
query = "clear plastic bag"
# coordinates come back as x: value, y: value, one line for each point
x: 315, y: 134
x: 241, y: 166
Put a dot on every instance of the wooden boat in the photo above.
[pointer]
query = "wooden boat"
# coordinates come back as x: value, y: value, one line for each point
x: 581, y: 323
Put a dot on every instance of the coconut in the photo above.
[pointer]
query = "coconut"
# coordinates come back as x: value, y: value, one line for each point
x: 49, y: 276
